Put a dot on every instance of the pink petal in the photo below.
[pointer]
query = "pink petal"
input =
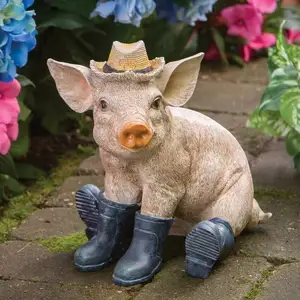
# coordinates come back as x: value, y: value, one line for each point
x: 9, y: 111
x: 4, y: 142
x: 10, y: 89
x: 292, y: 35
x: 265, y: 40
x: 243, y: 20
x: 247, y: 53
x: 212, y: 53
x: 13, y: 131
x: 264, y: 6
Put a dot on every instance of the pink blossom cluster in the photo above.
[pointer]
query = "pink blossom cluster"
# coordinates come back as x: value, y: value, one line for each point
x: 9, y: 111
x: 246, y: 21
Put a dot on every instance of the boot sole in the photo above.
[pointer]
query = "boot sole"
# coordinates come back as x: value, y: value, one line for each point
x: 202, y: 250
x: 92, y: 268
x: 87, y: 209
x: 145, y: 279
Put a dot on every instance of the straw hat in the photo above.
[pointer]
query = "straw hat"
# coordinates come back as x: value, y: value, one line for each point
x: 129, y: 58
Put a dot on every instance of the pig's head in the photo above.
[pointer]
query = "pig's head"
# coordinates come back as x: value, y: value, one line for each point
x: 130, y: 107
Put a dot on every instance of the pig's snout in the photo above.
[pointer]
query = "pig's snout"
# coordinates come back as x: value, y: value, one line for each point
x: 135, y: 135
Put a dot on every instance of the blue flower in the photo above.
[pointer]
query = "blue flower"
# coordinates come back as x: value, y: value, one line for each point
x: 17, y: 37
x: 174, y: 13
x: 125, y: 11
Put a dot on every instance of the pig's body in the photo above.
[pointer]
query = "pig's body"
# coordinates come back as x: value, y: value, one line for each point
x: 200, y: 172
x: 172, y: 161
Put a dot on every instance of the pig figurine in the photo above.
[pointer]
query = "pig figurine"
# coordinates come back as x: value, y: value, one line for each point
x: 161, y: 162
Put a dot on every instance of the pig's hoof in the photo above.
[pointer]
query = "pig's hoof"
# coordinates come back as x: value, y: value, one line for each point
x: 86, y: 199
x: 208, y: 242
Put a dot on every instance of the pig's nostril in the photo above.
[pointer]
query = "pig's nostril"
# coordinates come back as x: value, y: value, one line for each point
x: 135, y: 135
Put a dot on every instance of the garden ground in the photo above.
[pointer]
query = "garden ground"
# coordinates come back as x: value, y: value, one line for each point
x: 36, y: 261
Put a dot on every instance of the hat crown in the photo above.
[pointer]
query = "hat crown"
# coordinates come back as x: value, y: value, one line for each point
x: 128, y: 57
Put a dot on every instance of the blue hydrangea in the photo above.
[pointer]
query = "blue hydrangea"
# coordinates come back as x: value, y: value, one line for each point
x: 17, y: 36
x: 197, y: 11
x: 125, y: 11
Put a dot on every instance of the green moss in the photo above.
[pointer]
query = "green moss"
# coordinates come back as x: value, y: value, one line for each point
x: 67, y: 243
x: 258, y: 285
x: 20, y: 207
x: 261, y: 192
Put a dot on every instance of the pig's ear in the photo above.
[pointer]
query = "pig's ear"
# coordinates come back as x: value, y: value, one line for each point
x: 179, y: 78
x: 72, y: 84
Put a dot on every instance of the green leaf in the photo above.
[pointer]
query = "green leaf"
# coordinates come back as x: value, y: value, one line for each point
x: 25, y: 112
x: 297, y: 162
x: 80, y: 7
x: 294, y: 56
x: 218, y: 39
x: 24, y: 81
x: 278, y: 56
x: 14, y: 186
x: 269, y: 122
x: 291, y: 14
x: 282, y: 80
x: 7, y: 166
x: 27, y: 171
x: 20, y: 147
x: 238, y: 60
x: 290, y: 108
x: 65, y: 20
x: 183, y: 3
x: 293, y: 142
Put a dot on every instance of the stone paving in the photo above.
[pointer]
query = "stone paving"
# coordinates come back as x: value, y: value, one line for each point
x: 265, y: 264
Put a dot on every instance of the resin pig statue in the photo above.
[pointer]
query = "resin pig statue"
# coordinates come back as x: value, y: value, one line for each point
x: 161, y: 162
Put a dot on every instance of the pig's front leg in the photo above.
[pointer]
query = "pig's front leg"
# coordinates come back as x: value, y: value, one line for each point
x: 160, y: 200
x: 114, y: 221
x: 144, y: 256
x: 120, y: 189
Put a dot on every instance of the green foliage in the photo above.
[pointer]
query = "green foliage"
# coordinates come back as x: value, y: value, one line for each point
x: 22, y: 205
x: 64, y: 244
x: 279, y: 111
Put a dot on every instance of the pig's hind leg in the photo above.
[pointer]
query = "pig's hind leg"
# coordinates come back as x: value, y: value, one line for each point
x: 212, y: 239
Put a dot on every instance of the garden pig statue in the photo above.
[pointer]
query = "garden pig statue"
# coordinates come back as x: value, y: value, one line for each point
x: 161, y: 162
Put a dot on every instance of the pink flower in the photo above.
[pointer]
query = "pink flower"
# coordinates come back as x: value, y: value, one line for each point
x: 292, y: 35
x: 265, y: 40
x: 212, y: 53
x: 264, y: 6
x: 243, y: 20
x: 9, y: 111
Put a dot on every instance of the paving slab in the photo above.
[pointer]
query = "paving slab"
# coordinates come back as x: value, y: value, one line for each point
x: 225, y: 96
x: 274, y: 168
x: 231, y: 280
x: 91, y: 166
x: 255, y: 72
x: 279, y: 238
x: 64, y: 196
x: 48, y: 222
x: 29, y: 261
x: 283, y: 284
x: 25, y: 290
x: 252, y: 141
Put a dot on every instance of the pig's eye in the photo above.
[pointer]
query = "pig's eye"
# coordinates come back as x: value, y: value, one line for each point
x: 156, y: 103
x: 103, y: 105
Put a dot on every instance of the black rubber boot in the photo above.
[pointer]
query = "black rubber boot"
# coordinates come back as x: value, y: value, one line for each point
x: 143, y: 259
x: 113, y: 237
x: 207, y: 243
x: 87, y: 202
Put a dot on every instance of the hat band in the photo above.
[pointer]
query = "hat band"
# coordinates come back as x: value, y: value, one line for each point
x: 108, y: 69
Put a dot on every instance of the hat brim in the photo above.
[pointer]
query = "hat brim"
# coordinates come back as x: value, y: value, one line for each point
x: 157, y: 66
